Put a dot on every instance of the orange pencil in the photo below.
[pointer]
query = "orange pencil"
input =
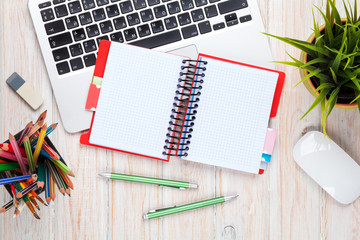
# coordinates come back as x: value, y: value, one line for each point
x: 52, y: 186
x: 66, y: 178
x: 35, y: 128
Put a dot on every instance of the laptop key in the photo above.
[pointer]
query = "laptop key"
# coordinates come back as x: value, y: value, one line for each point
x: 130, y: 34
x: 112, y: 10
x: 189, y: 31
x: 160, y: 11
x: 90, y: 60
x: 71, y: 22
x: 146, y: 15
x: 153, y: 2
x: 126, y: 7
x: 102, y: 2
x: 187, y: 4
x: 106, y: 27
x: 119, y: 23
x: 157, y: 26
x: 60, y: 54
x: 61, y: 11
x: 76, y: 64
x: 89, y: 45
x: 231, y: 19
x: 88, y: 4
x: 60, y: 40
x: 139, y: 4
x: 133, y: 19
x: 245, y: 18
x: 117, y: 37
x: 47, y: 15
x: 44, y: 5
x: 232, y: 5
x: 184, y: 19
x: 85, y: 18
x: 54, y: 27
x: 58, y: 1
x: 92, y: 30
x: 173, y: 7
x: 99, y: 39
x: 197, y: 15
x: 204, y: 27
x: 218, y: 26
x: 200, y: 3
x: 159, y: 39
x: 211, y: 11
x: 79, y: 34
x: 63, y: 68
x: 144, y: 30
x: 99, y: 14
x: 74, y: 7
x: 76, y: 50
x: 170, y: 23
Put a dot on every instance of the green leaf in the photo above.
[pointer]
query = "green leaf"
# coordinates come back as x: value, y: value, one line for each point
x: 333, y: 75
x: 324, y: 85
x: 318, y: 100
x: 348, y: 16
x: 315, y: 61
x: 335, y: 12
x: 288, y: 63
x: 355, y: 10
x: 336, y: 64
x: 328, y: 29
x: 332, y: 101
x: 311, y: 74
x: 357, y: 98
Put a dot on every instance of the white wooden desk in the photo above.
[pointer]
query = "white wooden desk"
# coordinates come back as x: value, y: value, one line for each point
x: 284, y: 203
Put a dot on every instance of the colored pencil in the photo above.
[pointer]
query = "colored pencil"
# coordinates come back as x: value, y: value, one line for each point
x: 35, y: 128
x: 55, y: 175
x: 17, y: 179
x: 7, y: 206
x: 37, y: 197
x: 24, y: 132
x: 11, y: 156
x: 39, y: 144
x: 63, y: 167
x: 4, y: 162
x: 19, y: 209
x: 26, y: 192
x: 9, y: 166
x: 49, y: 130
x: 52, y: 186
x: 26, y: 189
x: 18, y: 154
x: 41, y: 117
x: 50, y: 151
x: 41, y: 174
x: 47, y: 184
x: 26, y: 200
x: 66, y: 178
x: 8, y: 148
x: 13, y: 190
x: 29, y: 154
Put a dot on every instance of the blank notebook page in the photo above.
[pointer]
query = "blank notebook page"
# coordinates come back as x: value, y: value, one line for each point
x: 136, y: 99
x: 232, y: 116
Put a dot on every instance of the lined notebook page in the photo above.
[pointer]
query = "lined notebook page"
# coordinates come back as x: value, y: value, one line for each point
x: 135, y: 101
x: 233, y: 115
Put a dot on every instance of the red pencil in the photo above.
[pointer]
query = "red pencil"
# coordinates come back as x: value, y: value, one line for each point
x: 7, y: 147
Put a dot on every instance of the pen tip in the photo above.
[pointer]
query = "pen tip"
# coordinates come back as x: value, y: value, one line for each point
x: 193, y: 185
x: 105, y: 175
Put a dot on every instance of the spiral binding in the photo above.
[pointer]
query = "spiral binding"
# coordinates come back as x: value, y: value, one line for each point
x: 184, y: 111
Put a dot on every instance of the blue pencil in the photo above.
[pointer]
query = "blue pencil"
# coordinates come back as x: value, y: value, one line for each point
x: 49, y: 130
x: 47, y: 184
x: 4, y: 181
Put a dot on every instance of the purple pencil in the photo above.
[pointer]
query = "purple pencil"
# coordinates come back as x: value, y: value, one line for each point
x: 24, y: 132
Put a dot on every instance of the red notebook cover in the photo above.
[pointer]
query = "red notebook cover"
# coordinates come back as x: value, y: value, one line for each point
x: 95, y: 87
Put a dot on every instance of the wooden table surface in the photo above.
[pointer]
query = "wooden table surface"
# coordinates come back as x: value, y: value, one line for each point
x: 284, y: 203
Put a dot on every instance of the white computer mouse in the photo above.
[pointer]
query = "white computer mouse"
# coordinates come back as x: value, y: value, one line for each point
x: 329, y: 165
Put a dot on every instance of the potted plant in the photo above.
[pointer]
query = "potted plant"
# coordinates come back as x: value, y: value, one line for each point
x: 330, y: 60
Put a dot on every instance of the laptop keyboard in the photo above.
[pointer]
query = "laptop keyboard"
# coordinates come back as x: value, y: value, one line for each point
x: 75, y: 28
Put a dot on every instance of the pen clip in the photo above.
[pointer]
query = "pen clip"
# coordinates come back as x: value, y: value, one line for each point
x: 171, y: 187
x: 160, y: 209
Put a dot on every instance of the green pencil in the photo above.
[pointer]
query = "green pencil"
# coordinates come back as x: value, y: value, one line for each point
x: 176, y: 209
x: 157, y: 181
x: 63, y: 167
x: 9, y: 166
x: 29, y: 154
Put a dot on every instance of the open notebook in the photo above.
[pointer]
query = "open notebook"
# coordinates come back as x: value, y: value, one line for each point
x: 159, y: 105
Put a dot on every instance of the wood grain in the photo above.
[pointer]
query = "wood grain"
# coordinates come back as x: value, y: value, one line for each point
x: 284, y: 203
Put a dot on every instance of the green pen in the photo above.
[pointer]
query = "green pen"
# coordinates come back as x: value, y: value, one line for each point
x: 157, y: 181
x: 176, y: 209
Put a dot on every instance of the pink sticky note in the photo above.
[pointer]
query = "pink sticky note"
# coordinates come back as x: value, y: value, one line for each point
x: 270, y: 141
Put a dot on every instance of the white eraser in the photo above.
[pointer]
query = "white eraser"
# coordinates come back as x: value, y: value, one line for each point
x: 25, y: 91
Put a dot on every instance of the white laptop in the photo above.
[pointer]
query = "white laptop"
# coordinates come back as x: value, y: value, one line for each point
x: 69, y: 32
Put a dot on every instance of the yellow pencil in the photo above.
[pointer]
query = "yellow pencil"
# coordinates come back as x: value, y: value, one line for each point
x: 39, y: 144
